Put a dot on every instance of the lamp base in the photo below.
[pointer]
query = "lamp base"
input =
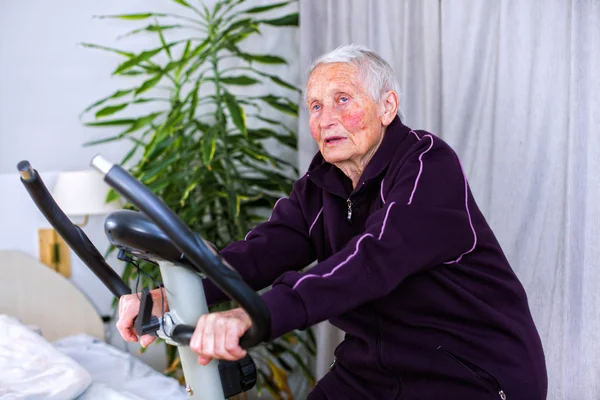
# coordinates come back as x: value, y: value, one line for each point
x: 54, y: 252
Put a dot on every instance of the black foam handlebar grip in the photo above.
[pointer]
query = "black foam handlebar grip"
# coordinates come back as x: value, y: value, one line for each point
x: 72, y: 234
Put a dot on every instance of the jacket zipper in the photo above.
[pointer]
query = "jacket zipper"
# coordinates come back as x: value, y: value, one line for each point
x: 349, y: 216
x: 497, y: 387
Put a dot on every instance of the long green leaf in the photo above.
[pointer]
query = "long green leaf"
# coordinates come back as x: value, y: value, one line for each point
x: 275, y: 79
x: 137, y: 16
x: 280, y: 104
x: 142, y: 121
x: 273, y: 122
x: 112, y: 195
x: 241, y: 80
x: 150, y: 28
x: 183, y: 3
x: 129, y: 154
x: 209, y: 145
x: 184, y: 57
x: 109, y: 49
x: 243, y: 34
x: 194, y: 99
x: 199, y: 54
x: 254, y: 154
x: 237, y: 24
x: 147, y: 85
x: 162, y: 41
x: 133, y: 72
x: 286, y: 20
x: 104, y: 140
x: 109, y: 110
x: 143, y: 56
x: 115, y: 95
x: 140, y: 100
x: 264, y: 133
x: 132, y: 62
x: 151, y: 173
x: 187, y: 191
x: 159, y: 184
x: 201, y: 126
x: 237, y: 113
x: 260, y: 9
x: 159, y: 143
x: 112, y: 122
x: 263, y: 58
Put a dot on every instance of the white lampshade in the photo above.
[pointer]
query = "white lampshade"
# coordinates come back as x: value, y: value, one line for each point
x: 83, y: 193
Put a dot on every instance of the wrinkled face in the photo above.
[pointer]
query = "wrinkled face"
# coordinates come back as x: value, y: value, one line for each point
x: 344, y: 120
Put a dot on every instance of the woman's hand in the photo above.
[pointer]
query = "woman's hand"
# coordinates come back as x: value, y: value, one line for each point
x: 129, y: 307
x: 218, y: 334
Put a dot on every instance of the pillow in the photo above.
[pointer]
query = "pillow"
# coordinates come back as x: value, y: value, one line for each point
x: 32, y: 368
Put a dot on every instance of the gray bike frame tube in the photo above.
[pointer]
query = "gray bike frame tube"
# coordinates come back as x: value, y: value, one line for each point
x: 185, y: 294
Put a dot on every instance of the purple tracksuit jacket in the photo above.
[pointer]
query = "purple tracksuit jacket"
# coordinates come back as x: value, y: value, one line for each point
x: 408, y: 268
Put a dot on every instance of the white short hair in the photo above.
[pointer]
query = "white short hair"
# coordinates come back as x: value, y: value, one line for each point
x: 377, y: 75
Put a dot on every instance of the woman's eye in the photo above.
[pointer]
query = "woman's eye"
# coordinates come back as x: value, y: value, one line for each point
x: 316, y: 107
x: 343, y: 99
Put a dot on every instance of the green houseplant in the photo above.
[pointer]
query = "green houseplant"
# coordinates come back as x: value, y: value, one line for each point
x: 201, y: 145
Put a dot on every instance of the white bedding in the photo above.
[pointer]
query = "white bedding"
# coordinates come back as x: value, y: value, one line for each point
x: 76, y: 367
x: 33, y: 369
x: 117, y: 370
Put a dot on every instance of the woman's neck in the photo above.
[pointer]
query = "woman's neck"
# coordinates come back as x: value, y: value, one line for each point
x: 354, y: 167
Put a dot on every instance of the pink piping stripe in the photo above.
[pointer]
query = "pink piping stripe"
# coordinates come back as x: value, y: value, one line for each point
x: 420, y: 168
x: 337, y: 267
x: 351, y: 255
x: 385, y: 220
x: 273, y: 212
x: 381, y: 191
x: 315, y: 221
x: 470, y: 220
x: 415, y: 133
x: 277, y: 202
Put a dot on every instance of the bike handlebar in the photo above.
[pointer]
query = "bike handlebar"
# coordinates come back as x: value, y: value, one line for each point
x: 72, y: 234
x: 193, y: 248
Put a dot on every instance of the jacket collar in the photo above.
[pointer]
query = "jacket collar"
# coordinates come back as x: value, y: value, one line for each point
x: 332, y: 179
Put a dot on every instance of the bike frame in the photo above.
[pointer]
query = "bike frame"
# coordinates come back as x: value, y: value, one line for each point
x: 184, y: 288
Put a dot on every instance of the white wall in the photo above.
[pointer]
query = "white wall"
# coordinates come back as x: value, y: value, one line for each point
x: 47, y: 80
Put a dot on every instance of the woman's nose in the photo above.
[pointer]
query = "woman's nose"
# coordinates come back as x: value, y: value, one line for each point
x: 328, y: 118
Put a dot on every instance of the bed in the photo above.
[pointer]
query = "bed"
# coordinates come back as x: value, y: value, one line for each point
x: 52, y: 343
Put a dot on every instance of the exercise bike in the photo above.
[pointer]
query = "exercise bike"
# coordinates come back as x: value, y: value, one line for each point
x: 156, y: 234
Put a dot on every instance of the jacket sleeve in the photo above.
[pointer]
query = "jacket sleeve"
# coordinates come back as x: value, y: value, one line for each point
x: 281, y: 244
x: 424, y: 222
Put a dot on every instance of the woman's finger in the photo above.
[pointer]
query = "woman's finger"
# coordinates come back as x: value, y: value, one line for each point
x: 196, y: 341
x: 208, y: 338
x: 147, y: 340
x: 232, y: 339
x: 220, y: 332
x: 128, y: 310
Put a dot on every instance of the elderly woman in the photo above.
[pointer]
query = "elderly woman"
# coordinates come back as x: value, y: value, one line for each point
x: 407, y: 265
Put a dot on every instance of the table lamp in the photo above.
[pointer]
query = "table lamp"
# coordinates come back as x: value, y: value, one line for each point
x: 79, y: 194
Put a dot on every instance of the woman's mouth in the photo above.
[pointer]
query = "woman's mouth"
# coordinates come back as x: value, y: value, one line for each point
x: 333, y: 140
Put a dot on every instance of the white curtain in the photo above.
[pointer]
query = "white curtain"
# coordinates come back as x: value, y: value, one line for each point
x: 514, y: 87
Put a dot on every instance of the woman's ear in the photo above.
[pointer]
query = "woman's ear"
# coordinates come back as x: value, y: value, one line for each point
x: 390, y: 107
